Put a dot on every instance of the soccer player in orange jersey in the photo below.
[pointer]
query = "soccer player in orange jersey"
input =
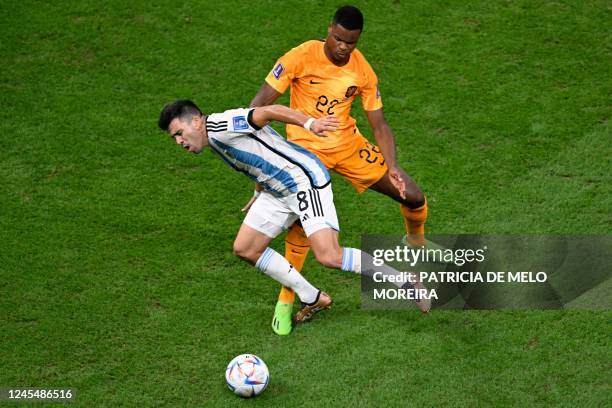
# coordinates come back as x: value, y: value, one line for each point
x: 325, y: 77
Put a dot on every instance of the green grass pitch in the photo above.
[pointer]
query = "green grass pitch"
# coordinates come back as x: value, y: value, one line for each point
x: 116, y: 272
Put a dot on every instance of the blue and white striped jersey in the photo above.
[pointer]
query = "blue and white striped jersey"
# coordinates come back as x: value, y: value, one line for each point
x: 281, y: 167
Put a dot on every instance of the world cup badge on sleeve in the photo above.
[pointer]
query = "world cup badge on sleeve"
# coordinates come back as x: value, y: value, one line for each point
x: 278, y: 70
x: 240, y: 123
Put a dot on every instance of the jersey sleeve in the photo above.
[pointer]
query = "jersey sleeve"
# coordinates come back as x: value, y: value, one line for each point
x: 231, y: 124
x: 240, y: 120
x: 370, y: 94
x: 285, y: 70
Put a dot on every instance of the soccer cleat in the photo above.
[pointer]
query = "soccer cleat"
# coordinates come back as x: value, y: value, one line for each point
x: 307, y: 311
x: 423, y: 304
x: 281, y: 322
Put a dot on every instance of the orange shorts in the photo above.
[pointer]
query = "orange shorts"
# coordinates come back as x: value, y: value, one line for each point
x: 359, y: 161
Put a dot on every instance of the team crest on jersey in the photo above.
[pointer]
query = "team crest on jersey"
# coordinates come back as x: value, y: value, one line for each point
x: 350, y: 91
x: 240, y: 123
x: 278, y: 70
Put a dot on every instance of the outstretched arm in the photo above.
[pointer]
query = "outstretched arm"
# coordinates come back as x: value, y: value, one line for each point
x: 265, y: 96
x: 263, y: 115
x: 386, y: 142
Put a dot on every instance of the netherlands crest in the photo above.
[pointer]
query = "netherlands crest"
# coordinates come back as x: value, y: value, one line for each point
x: 350, y: 91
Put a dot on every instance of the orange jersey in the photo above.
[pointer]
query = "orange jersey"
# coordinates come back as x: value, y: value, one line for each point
x: 320, y: 88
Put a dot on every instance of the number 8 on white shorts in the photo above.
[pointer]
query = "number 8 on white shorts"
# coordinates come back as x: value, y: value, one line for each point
x: 314, y: 208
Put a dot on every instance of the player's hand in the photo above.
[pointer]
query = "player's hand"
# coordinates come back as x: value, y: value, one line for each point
x: 325, y: 124
x: 249, y: 204
x: 395, y: 175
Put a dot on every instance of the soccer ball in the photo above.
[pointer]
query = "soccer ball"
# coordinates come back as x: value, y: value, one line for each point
x: 247, y: 375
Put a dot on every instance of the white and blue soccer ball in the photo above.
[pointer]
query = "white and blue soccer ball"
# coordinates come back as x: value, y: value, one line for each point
x: 247, y: 375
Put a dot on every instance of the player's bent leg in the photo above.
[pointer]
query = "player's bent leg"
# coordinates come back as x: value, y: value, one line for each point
x: 250, y: 244
x: 414, y: 197
x: 250, y: 241
x: 326, y: 249
x: 296, y: 250
x: 413, y: 207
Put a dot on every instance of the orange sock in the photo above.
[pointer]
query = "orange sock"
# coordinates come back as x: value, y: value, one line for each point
x: 414, y: 221
x: 296, y: 250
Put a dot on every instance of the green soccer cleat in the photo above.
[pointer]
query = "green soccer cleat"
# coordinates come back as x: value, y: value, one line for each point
x: 281, y: 322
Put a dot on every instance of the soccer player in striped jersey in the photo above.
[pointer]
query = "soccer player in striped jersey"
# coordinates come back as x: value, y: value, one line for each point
x: 325, y: 77
x: 296, y: 185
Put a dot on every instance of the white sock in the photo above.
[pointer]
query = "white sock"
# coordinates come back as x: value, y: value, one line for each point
x: 278, y: 268
x: 353, y: 258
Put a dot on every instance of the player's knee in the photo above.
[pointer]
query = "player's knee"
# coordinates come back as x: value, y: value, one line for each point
x: 245, y: 252
x: 414, y: 198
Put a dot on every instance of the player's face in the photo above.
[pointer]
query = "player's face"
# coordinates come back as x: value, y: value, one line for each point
x: 340, y: 43
x: 189, y: 134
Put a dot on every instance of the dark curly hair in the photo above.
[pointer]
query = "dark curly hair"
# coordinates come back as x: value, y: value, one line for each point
x: 182, y: 109
x: 349, y: 17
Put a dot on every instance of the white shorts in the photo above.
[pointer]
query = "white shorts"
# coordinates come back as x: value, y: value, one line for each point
x: 313, y: 207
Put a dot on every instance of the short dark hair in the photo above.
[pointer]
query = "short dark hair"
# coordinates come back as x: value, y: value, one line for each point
x: 182, y: 109
x: 349, y: 17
